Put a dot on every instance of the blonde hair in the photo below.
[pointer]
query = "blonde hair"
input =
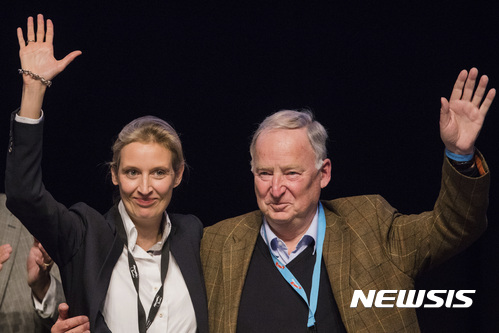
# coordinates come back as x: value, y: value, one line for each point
x: 149, y: 129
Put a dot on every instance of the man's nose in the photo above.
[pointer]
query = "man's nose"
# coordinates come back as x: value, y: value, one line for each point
x: 278, y: 186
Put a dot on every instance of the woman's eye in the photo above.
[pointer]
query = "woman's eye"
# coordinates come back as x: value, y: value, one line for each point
x: 131, y: 173
x: 161, y: 173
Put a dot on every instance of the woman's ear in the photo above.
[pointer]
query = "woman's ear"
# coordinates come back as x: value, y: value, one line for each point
x: 114, y: 176
x: 178, y: 175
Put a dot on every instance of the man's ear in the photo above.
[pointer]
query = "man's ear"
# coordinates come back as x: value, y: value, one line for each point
x: 325, y: 172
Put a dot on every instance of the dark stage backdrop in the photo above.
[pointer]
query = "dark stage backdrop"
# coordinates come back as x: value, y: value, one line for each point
x: 372, y: 72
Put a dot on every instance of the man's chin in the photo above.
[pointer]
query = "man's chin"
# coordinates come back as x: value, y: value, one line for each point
x: 278, y: 217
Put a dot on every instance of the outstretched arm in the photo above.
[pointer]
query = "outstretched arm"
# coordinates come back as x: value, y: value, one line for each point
x: 37, y: 56
x: 462, y: 116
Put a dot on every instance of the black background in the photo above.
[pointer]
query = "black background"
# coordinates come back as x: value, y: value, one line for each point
x: 372, y: 72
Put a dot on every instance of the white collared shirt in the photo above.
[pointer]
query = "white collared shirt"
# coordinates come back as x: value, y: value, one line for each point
x: 279, y: 248
x: 176, y: 313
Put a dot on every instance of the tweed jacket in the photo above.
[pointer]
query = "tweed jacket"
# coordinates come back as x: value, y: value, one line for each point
x: 368, y: 245
x: 17, y: 312
x: 83, y: 242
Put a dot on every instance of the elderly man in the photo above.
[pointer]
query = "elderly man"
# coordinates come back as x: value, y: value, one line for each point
x: 294, y: 265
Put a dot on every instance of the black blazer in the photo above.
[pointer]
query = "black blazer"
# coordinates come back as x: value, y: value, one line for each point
x: 83, y: 242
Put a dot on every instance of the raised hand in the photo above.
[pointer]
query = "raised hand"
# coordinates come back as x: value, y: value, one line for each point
x: 461, y: 118
x: 74, y: 324
x: 5, y: 251
x: 37, y: 56
x: 39, y: 264
x: 37, y: 52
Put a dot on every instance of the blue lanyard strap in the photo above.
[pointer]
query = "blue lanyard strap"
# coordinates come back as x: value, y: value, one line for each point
x: 316, y: 276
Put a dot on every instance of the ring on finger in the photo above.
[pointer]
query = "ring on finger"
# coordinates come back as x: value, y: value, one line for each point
x: 48, y: 264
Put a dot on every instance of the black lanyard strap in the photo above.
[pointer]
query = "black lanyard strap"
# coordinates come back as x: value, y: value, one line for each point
x: 134, y: 273
x: 158, y: 299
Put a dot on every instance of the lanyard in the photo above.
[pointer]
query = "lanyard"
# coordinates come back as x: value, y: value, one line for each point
x: 293, y: 282
x: 134, y: 273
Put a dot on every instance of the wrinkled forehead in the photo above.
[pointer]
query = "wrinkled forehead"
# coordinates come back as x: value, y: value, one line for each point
x: 284, y: 146
x: 283, y: 139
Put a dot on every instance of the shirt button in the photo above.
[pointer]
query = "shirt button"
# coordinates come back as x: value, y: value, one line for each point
x: 160, y: 315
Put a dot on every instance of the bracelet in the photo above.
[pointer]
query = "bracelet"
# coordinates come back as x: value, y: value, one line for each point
x: 458, y: 157
x: 48, y: 83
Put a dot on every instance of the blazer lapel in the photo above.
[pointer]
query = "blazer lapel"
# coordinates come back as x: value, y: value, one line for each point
x: 236, y: 257
x: 336, y: 254
x: 105, y: 272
